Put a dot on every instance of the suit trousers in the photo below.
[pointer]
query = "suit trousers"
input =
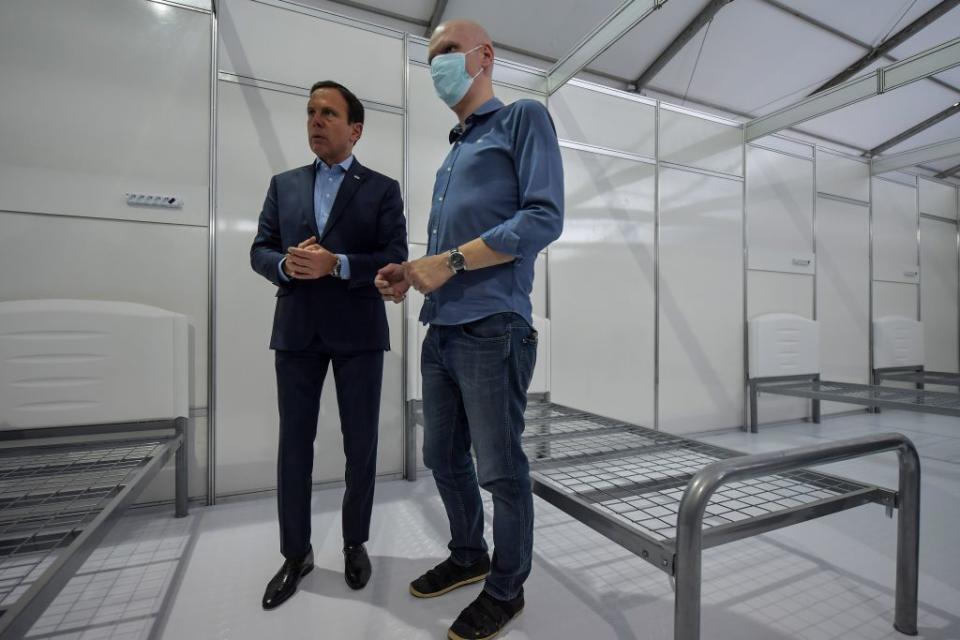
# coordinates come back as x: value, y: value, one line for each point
x: 300, y: 376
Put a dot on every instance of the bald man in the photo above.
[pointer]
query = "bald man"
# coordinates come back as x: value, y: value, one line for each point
x: 497, y: 202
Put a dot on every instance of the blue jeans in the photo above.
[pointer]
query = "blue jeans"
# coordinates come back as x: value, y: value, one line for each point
x: 475, y: 380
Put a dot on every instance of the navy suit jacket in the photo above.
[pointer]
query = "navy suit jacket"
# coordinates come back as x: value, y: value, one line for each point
x: 366, y: 224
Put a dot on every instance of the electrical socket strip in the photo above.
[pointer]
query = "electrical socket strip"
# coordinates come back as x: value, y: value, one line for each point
x: 148, y: 200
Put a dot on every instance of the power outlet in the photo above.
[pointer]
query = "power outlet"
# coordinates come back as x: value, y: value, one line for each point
x: 149, y: 200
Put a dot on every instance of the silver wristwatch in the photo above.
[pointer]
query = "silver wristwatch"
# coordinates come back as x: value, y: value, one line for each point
x: 336, y: 269
x: 456, y: 261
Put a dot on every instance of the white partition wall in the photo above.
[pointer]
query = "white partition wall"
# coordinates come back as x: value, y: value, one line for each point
x: 81, y: 126
x: 780, y: 249
x: 602, y: 282
x: 843, y: 270
x: 262, y: 131
x: 700, y: 302
x: 939, y: 264
x: 896, y: 268
x: 602, y: 269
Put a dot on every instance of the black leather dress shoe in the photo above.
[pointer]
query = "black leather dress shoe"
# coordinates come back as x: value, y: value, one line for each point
x: 356, y: 566
x: 284, y: 584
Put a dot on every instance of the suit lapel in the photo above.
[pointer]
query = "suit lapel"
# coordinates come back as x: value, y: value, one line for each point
x: 306, y: 196
x: 350, y: 185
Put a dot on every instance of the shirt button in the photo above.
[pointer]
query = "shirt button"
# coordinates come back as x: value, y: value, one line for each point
x: 449, y: 169
x: 440, y: 198
x: 434, y: 232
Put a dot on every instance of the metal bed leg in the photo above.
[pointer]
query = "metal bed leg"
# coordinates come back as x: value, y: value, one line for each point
x: 753, y: 406
x: 877, y: 380
x: 181, y: 488
x: 410, y: 448
x: 689, y: 541
x: 908, y: 542
x: 816, y: 405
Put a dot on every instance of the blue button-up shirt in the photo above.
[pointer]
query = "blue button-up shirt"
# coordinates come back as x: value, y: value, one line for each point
x: 502, y: 181
x: 326, y: 185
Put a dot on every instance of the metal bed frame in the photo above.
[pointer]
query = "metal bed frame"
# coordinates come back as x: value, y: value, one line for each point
x: 667, y: 498
x: 61, y: 490
x: 917, y: 375
x: 873, y: 396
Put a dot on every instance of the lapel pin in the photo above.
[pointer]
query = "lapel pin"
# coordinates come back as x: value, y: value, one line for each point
x: 356, y: 177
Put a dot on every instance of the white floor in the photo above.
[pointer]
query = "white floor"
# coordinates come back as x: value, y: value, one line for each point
x: 203, y: 576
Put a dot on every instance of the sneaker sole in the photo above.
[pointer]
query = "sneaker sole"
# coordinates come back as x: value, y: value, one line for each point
x: 453, y: 636
x: 456, y: 585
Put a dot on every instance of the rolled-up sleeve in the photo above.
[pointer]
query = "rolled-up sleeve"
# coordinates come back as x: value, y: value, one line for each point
x: 539, y: 220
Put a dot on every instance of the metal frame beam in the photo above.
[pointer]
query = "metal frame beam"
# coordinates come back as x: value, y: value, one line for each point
x: 949, y: 172
x: 916, y: 67
x: 438, y: 10
x: 890, y: 44
x: 845, y: 36
x: 915, y: 129
x: 929, y: 153
x: 702, y: 18
x: 613, y: 27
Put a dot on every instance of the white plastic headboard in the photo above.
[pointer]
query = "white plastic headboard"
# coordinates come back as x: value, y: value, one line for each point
x: 76, y: 362
x: 783, y: 344
x: 897, y: 342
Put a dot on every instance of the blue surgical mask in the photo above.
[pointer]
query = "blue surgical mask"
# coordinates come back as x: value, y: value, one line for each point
x: 450, y: 78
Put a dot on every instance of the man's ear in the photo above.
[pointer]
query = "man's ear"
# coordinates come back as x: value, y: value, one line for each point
x: 357, y: 131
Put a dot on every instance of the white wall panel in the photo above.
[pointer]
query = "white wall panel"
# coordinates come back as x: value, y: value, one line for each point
x: 602, y: 289
x: 101, y: 98
x: 701, y: 302
x: 604, y: 119
x: 938, y: 293
x: 261, y: 133
x: 843, y: 293
x: 697, y: 142
x: 938, y: 199
x: 894, y: 299
x: 841, y: 176
x: 894, y: 232
x: 294, y: 46
x: 769, y: 292
x: 779, y: 212
x: 89, y: 259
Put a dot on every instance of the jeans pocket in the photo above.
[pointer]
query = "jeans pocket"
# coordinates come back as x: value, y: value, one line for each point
x: 532, y: 338
x: 493, y: 328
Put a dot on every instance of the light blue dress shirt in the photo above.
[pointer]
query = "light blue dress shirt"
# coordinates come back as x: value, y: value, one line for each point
x: 502, y: 181
x: 326, y: 185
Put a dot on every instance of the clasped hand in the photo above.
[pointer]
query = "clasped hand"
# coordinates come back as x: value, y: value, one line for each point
x: 309, y: 261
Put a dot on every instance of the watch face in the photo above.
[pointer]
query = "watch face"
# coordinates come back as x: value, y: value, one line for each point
x: 457, y: 260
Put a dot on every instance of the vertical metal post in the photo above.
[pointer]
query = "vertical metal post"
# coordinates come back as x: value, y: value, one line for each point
x: 212, y: 271
x: 870, y: 336
x: 656, y: 268
x: 752, y: 390
x: 745, y: 249
x: 408, y: 427
x: 908, y: 542
x: 919, y: 270
x: 181, y: 485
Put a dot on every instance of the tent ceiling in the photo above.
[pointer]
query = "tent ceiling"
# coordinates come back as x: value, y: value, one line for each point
x: 754, y: 57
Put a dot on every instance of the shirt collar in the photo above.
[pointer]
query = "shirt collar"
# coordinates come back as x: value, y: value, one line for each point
x: 345, y: 165
x: 488, y: 107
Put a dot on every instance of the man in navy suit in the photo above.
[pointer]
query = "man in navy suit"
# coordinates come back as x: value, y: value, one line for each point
x: 325, y: 230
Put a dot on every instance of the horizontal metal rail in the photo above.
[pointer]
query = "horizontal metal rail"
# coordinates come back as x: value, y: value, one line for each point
x: 693, y: 505
x: 874, y: 396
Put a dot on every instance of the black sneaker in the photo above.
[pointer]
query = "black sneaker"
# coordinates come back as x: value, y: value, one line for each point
x: 447, y: 576
x: 485, y: 617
